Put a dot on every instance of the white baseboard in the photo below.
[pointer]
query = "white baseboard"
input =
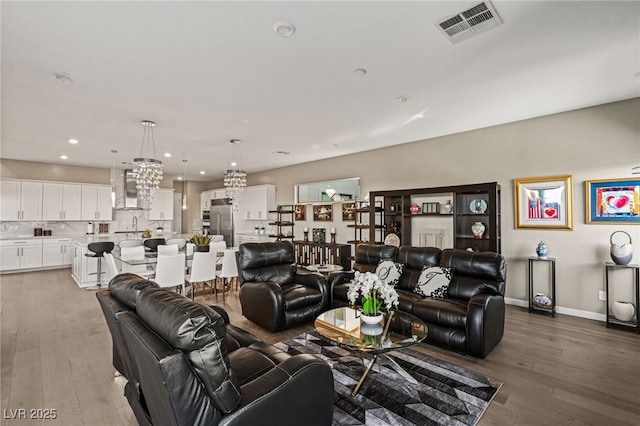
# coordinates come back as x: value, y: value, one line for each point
x: 560, y: 310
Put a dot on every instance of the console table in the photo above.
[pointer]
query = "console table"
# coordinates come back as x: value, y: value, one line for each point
x: 611, y: 320
x: 535, y: 307
x: 310, y: 253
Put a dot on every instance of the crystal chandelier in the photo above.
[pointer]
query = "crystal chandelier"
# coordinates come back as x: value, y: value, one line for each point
x: 235, y: 179
x: 147, y: 170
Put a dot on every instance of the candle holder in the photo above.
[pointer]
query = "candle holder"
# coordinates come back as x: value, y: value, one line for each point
x: 333, y: 238
x: 306, y: 236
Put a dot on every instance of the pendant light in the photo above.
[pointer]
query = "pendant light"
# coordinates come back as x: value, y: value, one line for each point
x: 146, y: 169
x: 235, y: 179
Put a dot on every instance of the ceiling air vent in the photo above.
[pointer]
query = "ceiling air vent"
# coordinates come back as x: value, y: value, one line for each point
x: 470, y: 22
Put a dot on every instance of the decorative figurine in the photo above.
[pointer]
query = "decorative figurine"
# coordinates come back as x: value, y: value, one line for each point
x: 541, y: 250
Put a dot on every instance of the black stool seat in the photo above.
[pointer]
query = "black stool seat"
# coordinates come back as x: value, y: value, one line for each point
x: 153, y: 243
x: 98, y: 249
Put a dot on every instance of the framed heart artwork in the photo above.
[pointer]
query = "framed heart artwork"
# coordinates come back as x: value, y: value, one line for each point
x: 613, y: 201
x: 544, y: 202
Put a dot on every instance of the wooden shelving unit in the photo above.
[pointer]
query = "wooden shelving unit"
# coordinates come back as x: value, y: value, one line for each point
x: 310, y: 253
x: 398, y: 219
x: 284, y: 222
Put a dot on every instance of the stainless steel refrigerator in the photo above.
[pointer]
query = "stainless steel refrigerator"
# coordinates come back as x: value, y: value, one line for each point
x: 221, y: 220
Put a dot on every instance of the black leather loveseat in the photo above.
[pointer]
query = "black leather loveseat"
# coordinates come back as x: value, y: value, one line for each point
x: 186, y: 365
x: 272, y: 293
x: 468, y: 319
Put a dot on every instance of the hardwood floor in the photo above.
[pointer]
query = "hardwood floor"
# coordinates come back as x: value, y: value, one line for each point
x: 56, y: 354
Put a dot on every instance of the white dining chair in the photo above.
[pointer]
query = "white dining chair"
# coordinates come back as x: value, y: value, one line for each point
x: 218, y: 247
x: 112, y: 267
x: 130, y: 243
x: 135, y: 253
x: 180, y: 242
x: 203, y: 271
x: 167, y: 249
x: 229, y: 269
x: 170, y: 271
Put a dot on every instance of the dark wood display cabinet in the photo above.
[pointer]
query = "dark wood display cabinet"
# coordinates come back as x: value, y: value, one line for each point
x: 284, y: 222
x: 468, y: 204
x: 364, y: 227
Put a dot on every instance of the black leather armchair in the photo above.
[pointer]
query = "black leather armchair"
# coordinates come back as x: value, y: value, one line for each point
x: 186, y: 365
x: 272, y: 293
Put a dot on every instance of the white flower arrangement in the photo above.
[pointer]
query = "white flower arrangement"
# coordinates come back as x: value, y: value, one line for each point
x: 374, y: 292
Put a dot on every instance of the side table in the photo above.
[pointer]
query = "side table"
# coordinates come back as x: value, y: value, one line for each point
x: 612, y: 321
x: 536, y: 307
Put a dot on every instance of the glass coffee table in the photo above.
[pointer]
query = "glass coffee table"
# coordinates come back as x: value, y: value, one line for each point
x: 397, y: 330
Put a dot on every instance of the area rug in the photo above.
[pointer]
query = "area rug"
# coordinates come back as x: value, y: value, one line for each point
x: 445, y: 394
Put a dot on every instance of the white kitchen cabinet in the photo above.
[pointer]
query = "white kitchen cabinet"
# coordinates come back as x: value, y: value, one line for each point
x: 205, y: 200
x: 96, y: 202
x: 61, y: 201
x: 21, y: 200
x: 218, y: 194
x: 257, y: 201
x: 162, y: 205
x: 20, y: 254
x: 57, y: 252
x: 243, y: 237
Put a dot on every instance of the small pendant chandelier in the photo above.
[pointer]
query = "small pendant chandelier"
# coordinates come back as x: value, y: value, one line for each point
x: 147, y: 170
x: 235, y: 179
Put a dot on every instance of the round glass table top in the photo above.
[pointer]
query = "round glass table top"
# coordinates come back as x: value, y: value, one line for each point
x: 396, y: 330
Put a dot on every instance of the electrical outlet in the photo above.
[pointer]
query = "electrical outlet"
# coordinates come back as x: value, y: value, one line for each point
x: 602, y: 295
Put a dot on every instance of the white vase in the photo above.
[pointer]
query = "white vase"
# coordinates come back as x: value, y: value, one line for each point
x: 623, y: 311
x: 477, y: 229
x: 371, y: 329
x: 371, y: 319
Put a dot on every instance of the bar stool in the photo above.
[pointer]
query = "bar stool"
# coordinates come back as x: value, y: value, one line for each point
x: 98, y: 249
x: 153, y: 243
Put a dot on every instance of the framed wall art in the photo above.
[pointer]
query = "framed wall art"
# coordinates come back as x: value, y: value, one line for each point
x: 613, y: 201
x: 322, y: 213
x: 544, y: 203
x: 348, y: 211
x: 300, y: 212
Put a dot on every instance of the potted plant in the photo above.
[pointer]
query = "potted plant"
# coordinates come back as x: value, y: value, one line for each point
x: 374, y: 293
x: 201, y: 241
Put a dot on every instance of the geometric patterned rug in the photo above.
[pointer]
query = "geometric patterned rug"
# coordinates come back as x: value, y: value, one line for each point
x: 444, y: 394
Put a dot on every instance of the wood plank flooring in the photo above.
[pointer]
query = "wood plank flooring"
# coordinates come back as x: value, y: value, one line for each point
x: 55, y: 353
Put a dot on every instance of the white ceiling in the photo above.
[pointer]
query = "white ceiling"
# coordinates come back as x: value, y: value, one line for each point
x: 201, y: 69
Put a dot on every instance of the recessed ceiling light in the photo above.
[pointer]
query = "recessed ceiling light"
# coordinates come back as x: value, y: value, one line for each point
x: 73, y: 141
x: 402, y: 99
x: 360, y: 72
x: 179, y: 177
x: 167, y: 154
x: 245, y: 121
x: 284, y: 28
x: 201, y: 172
x: 64, y: 157
x: 281, y: 152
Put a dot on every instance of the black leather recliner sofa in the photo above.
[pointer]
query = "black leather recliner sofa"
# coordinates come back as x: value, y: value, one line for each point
x: 469, y: 319
x: 187, y: 365
x: 272, y: 293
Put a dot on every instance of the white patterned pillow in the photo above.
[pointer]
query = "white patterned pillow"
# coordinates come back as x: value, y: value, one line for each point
x: 389, y: 271
x: 433, y: 282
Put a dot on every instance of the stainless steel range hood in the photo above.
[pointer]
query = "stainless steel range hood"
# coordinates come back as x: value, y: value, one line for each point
x: 126, y: 192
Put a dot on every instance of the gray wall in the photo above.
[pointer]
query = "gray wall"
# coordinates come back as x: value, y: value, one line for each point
x: 601, y: 142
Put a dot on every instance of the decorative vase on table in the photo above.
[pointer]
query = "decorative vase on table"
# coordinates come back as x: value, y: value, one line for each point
x: 478, y: 229
x: 541, y: 250
x: 371, y: 319
x: 202, y: 248
x: 541, y: 299
x: 448, y: 207
x: 623, y: 311
x: 414, y: 209
x: 621, y: 254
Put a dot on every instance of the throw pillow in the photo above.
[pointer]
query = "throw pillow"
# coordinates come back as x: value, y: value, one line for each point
x: 389, y: 271
x: 433, y: 281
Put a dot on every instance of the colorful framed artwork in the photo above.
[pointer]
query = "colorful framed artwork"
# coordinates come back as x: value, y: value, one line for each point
x: 300, y: 212
x: 613, y: 201
x: 544, y: 203
x: 348, y: 211
x: 322, y: 213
